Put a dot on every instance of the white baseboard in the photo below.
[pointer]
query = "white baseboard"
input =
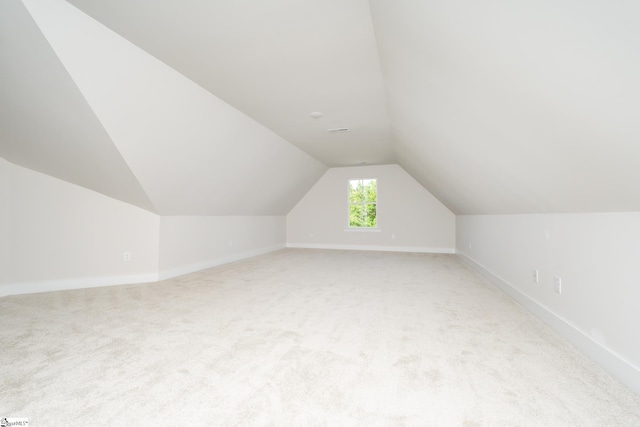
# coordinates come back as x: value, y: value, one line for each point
x: 186, y: 269
x: 95, y: 282
x: 620, y: 368
x: 372, y: 248
x: 64, y: 285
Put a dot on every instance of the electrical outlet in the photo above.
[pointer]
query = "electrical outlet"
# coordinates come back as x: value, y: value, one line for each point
x: 535, y: 276
x: 557, y: 284
x: 126, y: 256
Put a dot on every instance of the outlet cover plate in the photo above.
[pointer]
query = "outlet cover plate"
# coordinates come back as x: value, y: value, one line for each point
x: 557, y: 284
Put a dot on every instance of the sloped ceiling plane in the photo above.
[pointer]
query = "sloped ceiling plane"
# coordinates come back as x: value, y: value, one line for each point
x: 203, y: 107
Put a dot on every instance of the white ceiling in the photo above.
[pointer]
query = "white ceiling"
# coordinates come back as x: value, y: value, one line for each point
x: 45, y: 122
x: 516, y: 107
x: 277, y: 61
x: 202, y: 107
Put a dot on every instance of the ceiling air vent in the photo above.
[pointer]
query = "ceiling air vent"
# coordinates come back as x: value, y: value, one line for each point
x: 339, y: 130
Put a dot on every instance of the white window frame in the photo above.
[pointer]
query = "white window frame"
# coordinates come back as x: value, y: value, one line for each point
x: 375, y: 229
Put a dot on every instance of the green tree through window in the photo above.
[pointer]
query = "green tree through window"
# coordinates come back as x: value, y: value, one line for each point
x: 363, y: 202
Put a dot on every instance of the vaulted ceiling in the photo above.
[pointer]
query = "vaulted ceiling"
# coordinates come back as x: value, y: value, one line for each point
x: 203, y: 107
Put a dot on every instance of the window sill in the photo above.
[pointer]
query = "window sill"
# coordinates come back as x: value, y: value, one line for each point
x: 363, y: 229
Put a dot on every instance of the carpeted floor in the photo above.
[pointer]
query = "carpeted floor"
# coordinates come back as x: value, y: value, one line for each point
x: 299, y: 337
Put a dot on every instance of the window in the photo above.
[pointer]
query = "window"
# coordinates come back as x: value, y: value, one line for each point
x: 363, y: 203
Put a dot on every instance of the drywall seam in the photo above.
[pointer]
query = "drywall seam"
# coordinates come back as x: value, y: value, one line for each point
x: 179, y: 271
x: 372, y: 248
x: 65, y: 285
x: 622, y: 369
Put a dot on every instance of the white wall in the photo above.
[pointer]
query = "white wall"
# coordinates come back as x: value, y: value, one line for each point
x: 64, y: 236
x: 409, y: 217
x: 55, y: 235
x: 5, y: 224
x: 191, y: 243
x: 597, y: 256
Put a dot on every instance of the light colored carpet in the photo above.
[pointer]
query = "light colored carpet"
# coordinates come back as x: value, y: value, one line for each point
x: 299, y: 337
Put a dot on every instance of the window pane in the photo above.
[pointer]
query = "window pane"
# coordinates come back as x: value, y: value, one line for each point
x: 370, y: 215
x: 356, y: 216
x: 370, y: 191
x: 356, y: 191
